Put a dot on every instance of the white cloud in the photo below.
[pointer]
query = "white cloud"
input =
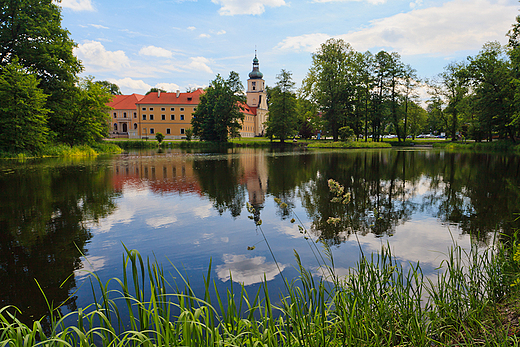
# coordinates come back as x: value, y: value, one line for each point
x: 169, y: 87
x: 161, y: 222
x: 200, y: 64
x: 156, y: 52
x: 77, y: 5
x: 373, y: 2
x: 204, y: 36
x: 135, y: 86
x: 234, y: 7
x: 95, y: 57
x: 191, y: 28
x: 221, y: 32
x: 454, y: 26
x: 308, y: 42
x: 98, y: 26
x: 89, y: 265
x: 247, y: 270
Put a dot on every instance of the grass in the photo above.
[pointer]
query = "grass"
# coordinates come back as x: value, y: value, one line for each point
x: 381, y: 302
x: 494, y: 146
x: 65, y: 151
x: 347, y: 144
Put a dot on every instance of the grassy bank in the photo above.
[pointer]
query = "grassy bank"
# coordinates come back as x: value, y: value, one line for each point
x: 65, y: 151
x: 347, y: 144
x: 381, y: 302
x: 494, y: 146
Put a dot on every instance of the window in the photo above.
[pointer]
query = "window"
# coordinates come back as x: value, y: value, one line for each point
x: 135, y: 114
x: 172, y: 108
x: 172, y: 117
x: 124, y: 114
x: 182, y: 131
x: 189, y: 99
x: 194, y: 109
x: 182, y: 108
x: 144, y: 108
x: 168, y: 131
x: 144, y: 117
x: 254, y: 85
x: 163, y: 109
x: 182, y: 117
x: 115, y: 115
x: 151, y: 108
x: 163, y: 117
x: 151, y: 117
x: 152, y: 131
x: 135, y: 126
x: 115, y: 126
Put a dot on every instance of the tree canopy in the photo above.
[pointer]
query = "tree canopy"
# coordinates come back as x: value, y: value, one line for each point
x: 219, y: 112
x: 282, y: 121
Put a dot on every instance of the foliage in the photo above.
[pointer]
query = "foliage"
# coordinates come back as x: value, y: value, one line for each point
x: 112, y: 88
x: 350, y: 144
x: 189, y: 134
x: 159, y: 137
x: 282, y: 121
x: 156, y: 90
x: 23, y: 116
x: 329, y: 82
x: 345, y: 133
x: 87, y: 119
x: 218, y: 115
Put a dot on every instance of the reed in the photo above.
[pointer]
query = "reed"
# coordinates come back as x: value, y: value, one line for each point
x: 380, y: 303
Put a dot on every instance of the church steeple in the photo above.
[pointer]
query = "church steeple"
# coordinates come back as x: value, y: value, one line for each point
x: 256, y: 74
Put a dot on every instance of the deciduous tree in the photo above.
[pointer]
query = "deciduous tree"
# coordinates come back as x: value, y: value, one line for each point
x: 282, y: 121
x: 219, y: 113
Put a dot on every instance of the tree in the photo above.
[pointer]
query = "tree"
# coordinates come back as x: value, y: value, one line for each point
x: 30, y: 31
x: 86, y: 120
x: 156, y: 90
x: 159, y: 137
x: 219, y: 113
x: 23, y: 116
x: 282, y: 121
x: 329, y: 82
x: 112, y: 88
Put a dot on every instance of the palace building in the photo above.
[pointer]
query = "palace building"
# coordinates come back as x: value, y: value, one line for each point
x: 137, y: 116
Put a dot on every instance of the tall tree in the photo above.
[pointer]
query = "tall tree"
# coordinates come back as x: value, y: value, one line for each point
x: 219, y: 113
x: 86, y: 120
x: 282, y: 121
x: 23, y: 116
x: 329, y: 82
x: 30, y: 30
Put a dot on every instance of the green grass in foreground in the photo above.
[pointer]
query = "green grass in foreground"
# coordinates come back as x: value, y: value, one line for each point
x: 381, y: 302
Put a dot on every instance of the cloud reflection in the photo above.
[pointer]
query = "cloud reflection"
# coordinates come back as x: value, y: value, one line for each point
x: 247, y: 270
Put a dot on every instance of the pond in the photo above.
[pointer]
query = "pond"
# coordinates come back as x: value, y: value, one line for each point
x: 60, y: 219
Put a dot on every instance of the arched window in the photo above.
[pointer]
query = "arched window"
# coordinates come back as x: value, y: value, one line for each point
x: 135, y: 126
x: 115, y: 126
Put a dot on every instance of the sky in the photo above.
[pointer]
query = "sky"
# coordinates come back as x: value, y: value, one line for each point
x: 181, y: 44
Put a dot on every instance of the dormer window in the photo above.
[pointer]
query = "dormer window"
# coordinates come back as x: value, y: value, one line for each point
x: 189, y: 99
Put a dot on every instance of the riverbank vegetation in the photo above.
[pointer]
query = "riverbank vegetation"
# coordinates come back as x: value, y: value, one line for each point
x: 62, y: 150
x: 381, y: 302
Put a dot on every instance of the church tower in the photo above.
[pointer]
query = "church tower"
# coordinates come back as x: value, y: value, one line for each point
x: 257, y: 97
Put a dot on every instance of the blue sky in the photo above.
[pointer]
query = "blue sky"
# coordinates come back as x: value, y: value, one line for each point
x: 177, y: 44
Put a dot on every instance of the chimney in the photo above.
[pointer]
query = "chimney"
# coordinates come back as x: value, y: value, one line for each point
x: 159, y: 93
x: 178, y: 93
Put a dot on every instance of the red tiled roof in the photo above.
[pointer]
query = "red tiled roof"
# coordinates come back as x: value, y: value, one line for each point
x: 125, y: 102
x: 247, y: 109
x: 172, y: 99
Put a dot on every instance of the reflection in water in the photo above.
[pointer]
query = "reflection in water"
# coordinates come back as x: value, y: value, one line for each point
x: 188, y: 206
x: 43, y: 214
x: 247, y: 270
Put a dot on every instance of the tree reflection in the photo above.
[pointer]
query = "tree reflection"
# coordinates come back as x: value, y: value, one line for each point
x: 219, y: 181
x: 43, y: 232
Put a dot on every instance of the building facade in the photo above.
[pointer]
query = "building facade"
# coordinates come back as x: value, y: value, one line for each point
x: 138, y: 117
